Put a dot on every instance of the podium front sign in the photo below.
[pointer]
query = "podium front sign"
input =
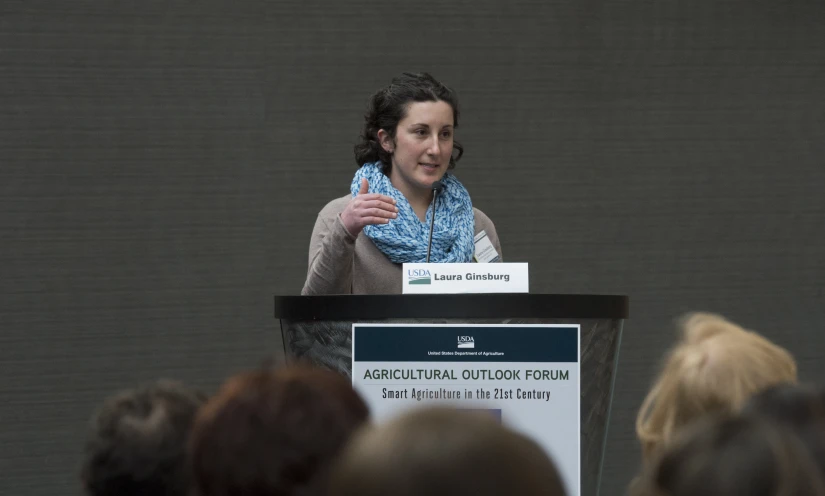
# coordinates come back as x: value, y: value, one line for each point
x: 526, y: 375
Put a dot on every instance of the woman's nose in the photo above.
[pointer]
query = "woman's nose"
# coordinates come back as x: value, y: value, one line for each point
x: 435, y: 146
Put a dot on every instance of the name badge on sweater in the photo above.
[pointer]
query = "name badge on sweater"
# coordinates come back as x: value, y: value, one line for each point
x: 485, y: 252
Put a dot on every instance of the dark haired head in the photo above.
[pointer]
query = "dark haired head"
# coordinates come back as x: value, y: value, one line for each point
x: 800, y: 408
x: 440, y: 452
x: 790, y: 404
x: 273, y: 432
x: 733, y: 456
x: 388, y: 107
x: 136, y: 445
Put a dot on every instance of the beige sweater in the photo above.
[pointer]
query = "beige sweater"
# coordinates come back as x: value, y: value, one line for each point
x: 342, y: 264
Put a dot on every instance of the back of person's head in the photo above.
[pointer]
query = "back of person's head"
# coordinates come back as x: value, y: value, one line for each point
x: 439, y: 452
x: 800, y: 408
x: 137, y: 440
x: 715, y: 368
x: 732, y: 456
x: 274, y: 432
x: 795, y: 405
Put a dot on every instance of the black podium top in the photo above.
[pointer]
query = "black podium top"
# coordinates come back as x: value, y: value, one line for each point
x: 450, y: 306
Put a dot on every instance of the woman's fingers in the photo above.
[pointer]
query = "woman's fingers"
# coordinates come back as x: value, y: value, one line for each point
x: 369, y: 209
x: 373, y: 204
x: 365, y: 186
x: 379, y: 212
x: 375, y: 220
x: 376, y: 196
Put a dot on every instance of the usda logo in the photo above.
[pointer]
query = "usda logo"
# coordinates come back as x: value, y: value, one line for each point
x: 419, y: 276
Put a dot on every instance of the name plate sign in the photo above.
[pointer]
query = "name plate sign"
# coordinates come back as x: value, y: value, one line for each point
x: 444, y: 278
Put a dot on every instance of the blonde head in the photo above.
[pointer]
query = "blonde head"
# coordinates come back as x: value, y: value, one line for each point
x: 715, y: 368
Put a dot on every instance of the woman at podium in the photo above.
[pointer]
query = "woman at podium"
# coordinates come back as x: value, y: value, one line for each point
x: 406, y: 150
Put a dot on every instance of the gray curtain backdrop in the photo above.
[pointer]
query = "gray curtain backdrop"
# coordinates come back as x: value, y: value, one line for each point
x: 161, y: 166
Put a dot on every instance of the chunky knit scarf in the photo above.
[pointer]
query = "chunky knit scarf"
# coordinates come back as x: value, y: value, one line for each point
x: 404, y: 239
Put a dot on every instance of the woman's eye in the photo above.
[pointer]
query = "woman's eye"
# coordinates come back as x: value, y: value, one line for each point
x: 446, y: 134
x: 420, y: 132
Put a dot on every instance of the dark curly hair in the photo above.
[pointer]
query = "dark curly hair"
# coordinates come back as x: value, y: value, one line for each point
x: 389, y: 105
x: 137, y: 440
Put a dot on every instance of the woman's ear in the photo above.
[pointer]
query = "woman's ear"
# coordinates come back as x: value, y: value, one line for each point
x: 386, y: 141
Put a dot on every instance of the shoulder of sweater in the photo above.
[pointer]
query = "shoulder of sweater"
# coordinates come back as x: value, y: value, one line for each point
x: 335, y: 207
x: 481, y: 218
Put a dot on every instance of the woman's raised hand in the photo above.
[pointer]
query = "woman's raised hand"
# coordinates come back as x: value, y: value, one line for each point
x: 367, y: 209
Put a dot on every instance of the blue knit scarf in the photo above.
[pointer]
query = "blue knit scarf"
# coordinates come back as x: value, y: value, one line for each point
x: 404, y: 239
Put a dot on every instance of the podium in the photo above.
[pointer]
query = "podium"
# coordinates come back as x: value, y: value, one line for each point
x: 318, y: 329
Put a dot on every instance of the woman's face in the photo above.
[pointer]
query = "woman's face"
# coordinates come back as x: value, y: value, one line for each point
x: 422, y: 147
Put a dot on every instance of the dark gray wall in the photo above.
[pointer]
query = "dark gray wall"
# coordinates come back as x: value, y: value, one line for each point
x: 161, y: 167
x: 136, y: 233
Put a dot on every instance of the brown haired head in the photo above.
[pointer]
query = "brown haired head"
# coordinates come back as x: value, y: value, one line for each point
x: 732, y: 456
x: 440, y: 452
x: 715, y: 368
x: 137, y: 439
x: 270, y: 433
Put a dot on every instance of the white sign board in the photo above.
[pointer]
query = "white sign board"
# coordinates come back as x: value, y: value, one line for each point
x: 527, y: 375
x: 441, y: 278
